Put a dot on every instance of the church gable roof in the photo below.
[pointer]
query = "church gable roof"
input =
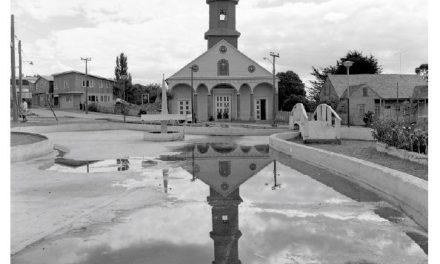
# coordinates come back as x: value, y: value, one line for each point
x: 238, y: 64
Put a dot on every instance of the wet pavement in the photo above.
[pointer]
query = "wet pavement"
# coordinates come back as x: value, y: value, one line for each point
x: 233, y: 202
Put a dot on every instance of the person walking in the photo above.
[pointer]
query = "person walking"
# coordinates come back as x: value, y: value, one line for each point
x: 24, y: 109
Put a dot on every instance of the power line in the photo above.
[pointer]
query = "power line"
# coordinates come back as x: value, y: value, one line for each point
x: 32, y: 31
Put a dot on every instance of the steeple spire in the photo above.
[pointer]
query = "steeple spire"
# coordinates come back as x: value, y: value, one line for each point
x: 222, y: 22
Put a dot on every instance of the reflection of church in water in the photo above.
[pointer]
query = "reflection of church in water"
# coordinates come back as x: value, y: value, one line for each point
x: 224, y: 167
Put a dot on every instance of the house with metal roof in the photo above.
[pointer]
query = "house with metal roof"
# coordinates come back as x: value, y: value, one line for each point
x: 27, y: 83
x: 388, y: 96
x: 70, y: 90
x: 42, y: 91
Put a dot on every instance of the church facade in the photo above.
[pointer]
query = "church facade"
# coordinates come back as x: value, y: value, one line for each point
x: 226, y: 84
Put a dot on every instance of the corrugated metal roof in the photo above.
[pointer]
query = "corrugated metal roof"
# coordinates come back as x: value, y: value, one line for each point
x: 81, y: 73
x: 385, y: 85
x: 47, y: 77
x: 420, y: 92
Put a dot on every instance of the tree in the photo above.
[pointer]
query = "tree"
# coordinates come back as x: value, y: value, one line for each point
x: 291, y: 88
x: 422, y: 70
x: 121, y: 70
x: 121, y: 66
x: 362, y: 65
x: 135, y: 92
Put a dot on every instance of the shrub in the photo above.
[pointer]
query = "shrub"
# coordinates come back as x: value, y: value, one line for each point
x: 211, y: 119
x: 402, y: 135
x: 142, y: 112
x: 92, y: 107
x: 368, y: 118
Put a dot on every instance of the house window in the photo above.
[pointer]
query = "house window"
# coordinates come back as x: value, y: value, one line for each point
x: 102, y: 99
x: 223, y: 67
x: 89, y: 83
x: 222, y: 15
x: 365, y: 91
x: 68, y: 98
x: 361, y: 108
x: 66, y: 85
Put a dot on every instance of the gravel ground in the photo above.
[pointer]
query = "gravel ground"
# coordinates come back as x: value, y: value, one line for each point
x: 367, y: 151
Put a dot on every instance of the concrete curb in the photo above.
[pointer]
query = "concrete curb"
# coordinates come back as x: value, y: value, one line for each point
x: 400, y: 189
x: 211, y: 131
x: 30, y: 151
x: 159, y: 137
x: 403, y: 154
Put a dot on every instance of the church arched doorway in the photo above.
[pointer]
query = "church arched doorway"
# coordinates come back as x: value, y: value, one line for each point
x: 224, y: 98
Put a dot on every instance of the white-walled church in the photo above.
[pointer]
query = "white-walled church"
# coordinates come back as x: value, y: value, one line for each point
x: 227, y: 84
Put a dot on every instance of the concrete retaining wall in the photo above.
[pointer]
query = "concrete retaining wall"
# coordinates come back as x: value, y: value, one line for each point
x: 212, y: 131
x: 403, y: 154
x: 400, y: 189
x: 30, y: 151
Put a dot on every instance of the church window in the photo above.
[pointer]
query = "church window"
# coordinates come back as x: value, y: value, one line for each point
x: 223, y: 67
x: 222, y: 15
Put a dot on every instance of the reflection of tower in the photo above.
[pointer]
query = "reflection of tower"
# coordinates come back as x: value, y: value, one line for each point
x: 225, y: 231
x: 224, y: 166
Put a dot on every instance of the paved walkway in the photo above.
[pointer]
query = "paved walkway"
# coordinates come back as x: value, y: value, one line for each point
x: 41, y: 112
x: 80, y: 115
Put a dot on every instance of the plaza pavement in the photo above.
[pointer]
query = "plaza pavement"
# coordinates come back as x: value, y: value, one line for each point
x: 44, y: 115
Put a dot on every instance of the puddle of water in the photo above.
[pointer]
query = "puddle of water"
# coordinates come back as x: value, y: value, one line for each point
x: 228, y: 203
x: 135, y: 164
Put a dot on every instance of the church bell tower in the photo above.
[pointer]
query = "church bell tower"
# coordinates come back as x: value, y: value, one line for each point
x: 222, y: 22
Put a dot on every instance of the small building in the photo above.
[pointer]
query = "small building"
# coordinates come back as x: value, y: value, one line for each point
x: 27, y: 85
x: 420, y: 104
x: 70, y: 90
x: 388, y: 96
x: 224, y: 83
x: 42, y: 91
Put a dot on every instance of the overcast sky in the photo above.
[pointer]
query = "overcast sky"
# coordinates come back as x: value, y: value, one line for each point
x: 161, y: 36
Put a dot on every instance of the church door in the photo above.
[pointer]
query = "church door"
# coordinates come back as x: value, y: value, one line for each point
x: 223, y: 107
x: 260, y: 109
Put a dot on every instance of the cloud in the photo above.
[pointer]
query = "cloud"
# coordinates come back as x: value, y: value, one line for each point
x: 276, y: 3
x: 335, y: 17
x: 162, y: 36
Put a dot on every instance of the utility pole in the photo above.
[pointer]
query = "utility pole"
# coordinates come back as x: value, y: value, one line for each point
x: 13, y: 84
x: 274, y: 115
x: 397, y: 108
x: 193, y: 68
x: 274, y: 55
x: 87, y: 84
x: 347, y: 65
x: 20, y: 78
